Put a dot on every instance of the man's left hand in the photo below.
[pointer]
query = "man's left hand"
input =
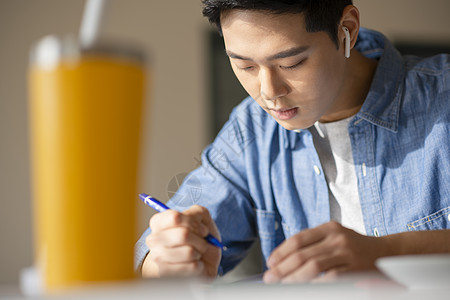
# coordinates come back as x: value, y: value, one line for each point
x: 328, y: 248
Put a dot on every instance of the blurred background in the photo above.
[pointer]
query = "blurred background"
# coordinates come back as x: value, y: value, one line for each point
x: 191, y: 89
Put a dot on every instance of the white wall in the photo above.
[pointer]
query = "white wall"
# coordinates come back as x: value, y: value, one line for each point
x: 173, y: 31
x: 408, y: 20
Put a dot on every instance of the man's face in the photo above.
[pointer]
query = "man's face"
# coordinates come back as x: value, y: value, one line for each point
x: 294, y: 75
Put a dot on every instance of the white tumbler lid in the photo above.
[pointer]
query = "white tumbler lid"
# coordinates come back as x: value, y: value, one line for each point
x: 51, y: 49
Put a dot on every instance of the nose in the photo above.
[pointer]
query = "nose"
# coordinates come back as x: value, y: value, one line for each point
x: 272, y: 86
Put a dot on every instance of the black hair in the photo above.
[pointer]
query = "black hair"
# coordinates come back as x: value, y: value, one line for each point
x: 320, y: 15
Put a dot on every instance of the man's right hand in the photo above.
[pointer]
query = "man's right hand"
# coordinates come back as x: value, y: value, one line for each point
x: 177, y: 245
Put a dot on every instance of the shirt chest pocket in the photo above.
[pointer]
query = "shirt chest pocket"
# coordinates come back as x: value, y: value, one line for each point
x: 435, y: 221
x: 270, y: 230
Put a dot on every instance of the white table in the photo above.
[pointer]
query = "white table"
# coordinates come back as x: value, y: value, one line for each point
x: 357, y: 286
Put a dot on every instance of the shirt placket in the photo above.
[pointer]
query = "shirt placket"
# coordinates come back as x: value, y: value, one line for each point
x: 322, y: 204
x: 362, y: 141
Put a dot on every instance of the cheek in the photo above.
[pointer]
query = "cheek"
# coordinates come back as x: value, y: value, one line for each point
x: 249, y: 83
x: 334, y: 69
x: 323, y: 81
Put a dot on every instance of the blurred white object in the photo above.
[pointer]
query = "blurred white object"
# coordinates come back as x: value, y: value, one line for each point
x: 92, y: 22
x: 425, y: 271
x: 31, y: 282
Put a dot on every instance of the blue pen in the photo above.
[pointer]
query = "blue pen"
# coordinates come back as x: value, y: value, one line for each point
x: 160, y: 207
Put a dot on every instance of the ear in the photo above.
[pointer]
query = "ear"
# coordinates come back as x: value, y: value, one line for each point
x: 349, y: 19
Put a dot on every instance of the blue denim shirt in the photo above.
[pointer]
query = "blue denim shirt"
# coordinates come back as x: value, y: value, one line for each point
x: 259, y: 180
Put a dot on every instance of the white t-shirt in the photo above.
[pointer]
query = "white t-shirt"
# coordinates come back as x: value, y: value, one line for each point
x: 333, y: 146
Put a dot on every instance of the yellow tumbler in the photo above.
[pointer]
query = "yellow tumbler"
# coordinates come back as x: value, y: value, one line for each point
x: 85, y: 125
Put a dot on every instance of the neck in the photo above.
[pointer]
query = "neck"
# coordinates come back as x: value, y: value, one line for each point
x: 355, y: 88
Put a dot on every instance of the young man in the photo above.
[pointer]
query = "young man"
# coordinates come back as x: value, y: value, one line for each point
x: 339, y: 156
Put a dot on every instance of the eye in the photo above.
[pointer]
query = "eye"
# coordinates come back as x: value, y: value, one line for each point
x: 293, y: 66
x: 245, y: 68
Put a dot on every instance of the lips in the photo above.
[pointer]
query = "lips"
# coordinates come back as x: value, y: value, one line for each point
x: 284, y: 113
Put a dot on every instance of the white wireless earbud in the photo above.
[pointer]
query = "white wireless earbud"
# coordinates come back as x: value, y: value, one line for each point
x: 347, y: 41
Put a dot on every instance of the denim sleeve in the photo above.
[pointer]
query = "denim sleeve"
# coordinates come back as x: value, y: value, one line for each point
x: 140, y: 251
x: 219, y: 184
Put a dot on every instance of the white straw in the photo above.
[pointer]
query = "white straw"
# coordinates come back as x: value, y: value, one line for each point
x: 92, y: 22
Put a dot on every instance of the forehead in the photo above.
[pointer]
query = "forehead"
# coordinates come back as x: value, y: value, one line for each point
x: 259, y: 33
x: 257, y: 20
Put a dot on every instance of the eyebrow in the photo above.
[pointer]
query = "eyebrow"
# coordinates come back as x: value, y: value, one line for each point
x: 283, y: 54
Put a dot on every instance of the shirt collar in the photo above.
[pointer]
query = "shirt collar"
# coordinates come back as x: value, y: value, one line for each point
x: 382, y: 104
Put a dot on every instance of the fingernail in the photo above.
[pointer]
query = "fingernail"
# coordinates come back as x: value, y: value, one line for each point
x: 269, y: 278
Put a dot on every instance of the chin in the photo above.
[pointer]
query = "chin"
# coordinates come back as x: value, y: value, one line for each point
x: 295, y: 126
x: 289, y: 127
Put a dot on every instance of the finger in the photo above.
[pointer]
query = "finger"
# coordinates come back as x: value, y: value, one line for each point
x: 172, y: 218
x: 183, y: 254
x: 313, y: 268
x: 296, y: 259
x: 293, y: 244
x: 181, y: 269
x: 201, y: 214
x: 176, y: 237
x: 329, y: 276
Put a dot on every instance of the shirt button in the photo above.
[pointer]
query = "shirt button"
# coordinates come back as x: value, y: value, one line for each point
x: 375, y: 232
x: 364, y: 170
x: 317, y: 170
x: 277, y: 225
x: 448, y: 217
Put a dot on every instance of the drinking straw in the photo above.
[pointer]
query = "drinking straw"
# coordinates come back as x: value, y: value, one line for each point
x: 92, y: 21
